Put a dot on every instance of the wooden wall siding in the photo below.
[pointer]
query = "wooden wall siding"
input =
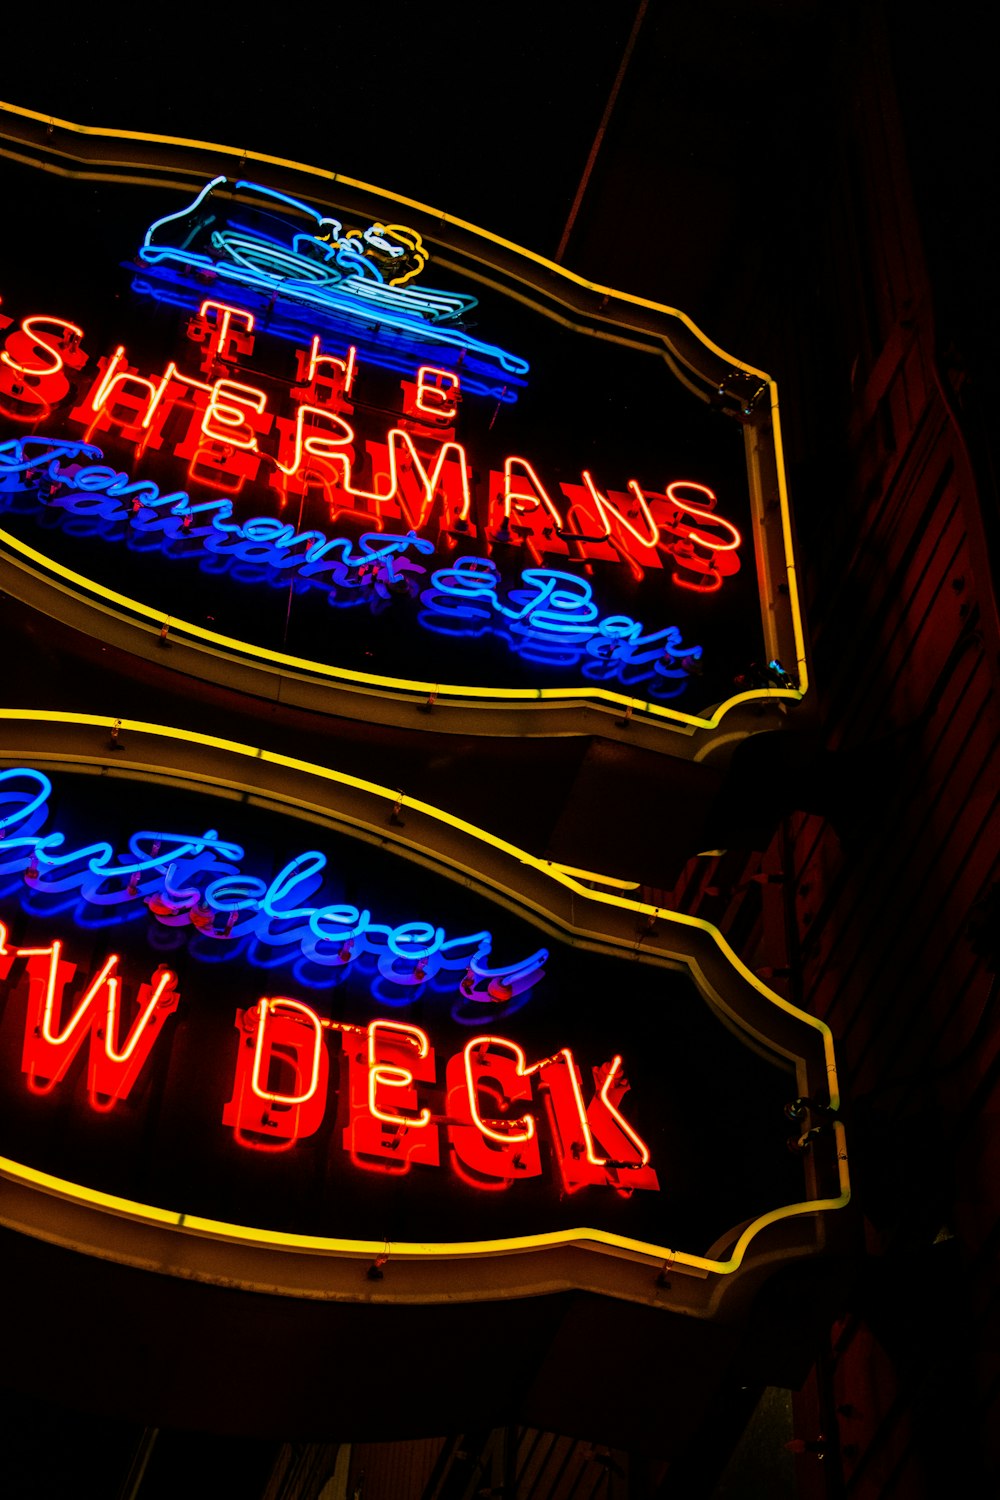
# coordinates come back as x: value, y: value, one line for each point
x: 891, y: 859
x: 869, y: 1466
x: 302, y: 1470
x: 888, y: 606
x: 550, y: 1467
x: 392, y: 1471
x: 885, y: 889
x: 539, y: 1465
x: 909, y: 701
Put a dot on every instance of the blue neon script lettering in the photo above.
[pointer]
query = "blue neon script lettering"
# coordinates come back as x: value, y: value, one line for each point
x: 552, y: 619
x: 195, y: 879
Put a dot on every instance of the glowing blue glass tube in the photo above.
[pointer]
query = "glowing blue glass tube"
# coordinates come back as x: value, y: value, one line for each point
x: 193, y: 880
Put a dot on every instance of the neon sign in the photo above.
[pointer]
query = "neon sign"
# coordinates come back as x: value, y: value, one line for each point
x: 513, y: 554
x: 485, y: 1108
x: 331, y: 453
x: 195, y: 882
x: 314, y: 1116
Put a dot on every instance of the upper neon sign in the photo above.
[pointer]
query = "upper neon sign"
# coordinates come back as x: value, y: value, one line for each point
x: 551, y: 544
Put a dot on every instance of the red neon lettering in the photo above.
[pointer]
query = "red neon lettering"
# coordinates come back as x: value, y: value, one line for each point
x: 49, y: 1051
x: 260, y: 1074
x: 228, y: 405
x: 407, y: 474
x: 321, y: 445
x: 437, y: 393
x: 406, y: 468
x: 110, y: 394
x: 232, y: 415
x: 387, y: 1130
x: 30, y: 379
x: 492, y: 1146
x: 282, y: 1075
x: 219, y: 342
x: 29, y: 342
x: 623, y: 1161
x: 704, y: 559
x: 526, y: 502
x: 606, y: 509
x: 386, y: 1075
x: 281, y: 1082
x: 221, y: 442
x: 308, y: 364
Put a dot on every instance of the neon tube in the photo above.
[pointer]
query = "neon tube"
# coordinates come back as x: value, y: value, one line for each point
x: 390, y: 1076
x: 195, y: 880
x: 506, y: 1137
x: 283, y: 1004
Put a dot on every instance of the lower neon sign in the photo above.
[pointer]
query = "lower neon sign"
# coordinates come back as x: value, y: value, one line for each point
x: 485, y: 1111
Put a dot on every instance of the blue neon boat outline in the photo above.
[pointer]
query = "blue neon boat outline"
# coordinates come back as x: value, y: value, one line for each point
x: 327, y: 272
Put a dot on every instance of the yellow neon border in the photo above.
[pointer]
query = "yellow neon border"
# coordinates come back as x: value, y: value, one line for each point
x: 415, y: 1250
x: 597, y: 289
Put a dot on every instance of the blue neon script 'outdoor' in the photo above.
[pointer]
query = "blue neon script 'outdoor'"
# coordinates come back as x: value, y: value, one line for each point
x: 195, y: 880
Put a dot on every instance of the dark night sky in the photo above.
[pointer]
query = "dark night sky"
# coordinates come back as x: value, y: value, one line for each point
x: 478, y: 110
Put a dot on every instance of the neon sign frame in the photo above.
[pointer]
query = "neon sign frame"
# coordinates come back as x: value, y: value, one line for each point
x: 553, y: 897
x: 706, y: 370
